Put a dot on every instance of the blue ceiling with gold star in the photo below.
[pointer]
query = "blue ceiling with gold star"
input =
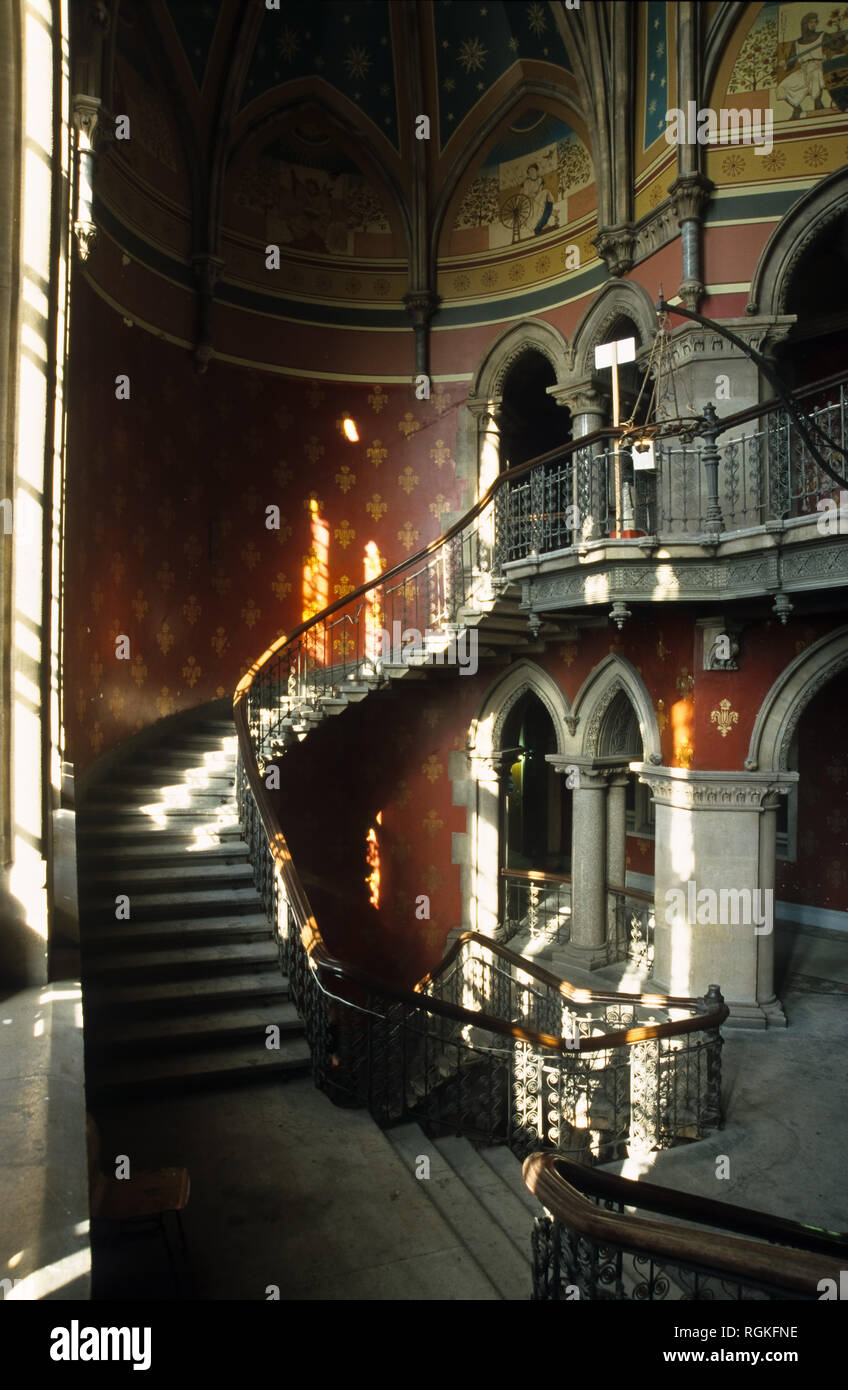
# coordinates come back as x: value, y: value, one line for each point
x: 656, y: 76
x: 349, y: 45
x: 194, y: 21
x: 477, y: 44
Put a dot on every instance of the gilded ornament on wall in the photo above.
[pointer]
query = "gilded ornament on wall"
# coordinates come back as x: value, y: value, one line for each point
x: 724, y: 718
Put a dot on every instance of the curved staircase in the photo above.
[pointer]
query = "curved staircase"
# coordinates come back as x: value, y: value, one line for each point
x: 178, y: 994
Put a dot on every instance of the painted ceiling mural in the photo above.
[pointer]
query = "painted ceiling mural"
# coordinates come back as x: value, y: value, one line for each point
x: 475, y: 44
x: 791, y: 61
x: 521, y: 192
x: 309, y: 196
x: 346, y: 44
x: 526, y: 217
x: 656, y: 72
x: 195, y: 21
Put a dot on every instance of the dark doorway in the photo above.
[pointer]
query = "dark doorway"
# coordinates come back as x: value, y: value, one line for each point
x: 536, y: 802
x: 531, y: 421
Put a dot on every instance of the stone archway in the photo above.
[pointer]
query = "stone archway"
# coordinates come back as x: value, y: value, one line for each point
x: 789, y: 696
x: 476, y: 777
x: 478, y: 427
x: 791, y: 238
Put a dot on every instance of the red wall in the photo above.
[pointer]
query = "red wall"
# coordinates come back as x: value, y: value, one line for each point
x: 820, y: 874
x: 166, y: 535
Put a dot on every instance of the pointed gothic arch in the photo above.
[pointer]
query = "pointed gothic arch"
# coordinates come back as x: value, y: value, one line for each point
x: 815, y: 210
x: 600, y: 692
x: 618, y: 299
x: 525, y: 336
x: 781, y: 710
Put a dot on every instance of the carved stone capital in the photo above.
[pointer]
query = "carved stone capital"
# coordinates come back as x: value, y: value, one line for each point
x: 583, y: 398
x: 421, y: 305
x: 86, y: 237
x: 86, y: 113
x: 615, y: 246
x: 483, y: 408
x: 689, y: 195
x: 689, y: 790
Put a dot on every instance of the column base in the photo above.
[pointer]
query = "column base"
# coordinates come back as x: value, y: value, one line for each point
x: 768, y: 1015
x: 582, y: 957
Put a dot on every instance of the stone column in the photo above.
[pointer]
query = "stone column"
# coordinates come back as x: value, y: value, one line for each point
x: 617, y: 828
x: 587, y: 947
x: 588, y: 413
x: 712, y: 855
x: 766, y: 998
x: 489, y: 848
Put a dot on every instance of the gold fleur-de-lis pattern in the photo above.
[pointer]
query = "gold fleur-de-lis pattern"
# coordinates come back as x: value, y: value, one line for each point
x: 376, y: 507
x: 376, y: 453
x: 174, y: 502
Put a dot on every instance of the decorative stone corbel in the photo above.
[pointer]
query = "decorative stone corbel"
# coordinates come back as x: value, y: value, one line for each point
x: 713, y: 629
x: 207, y: 269
x: 421, y: 305
x: 615, y: 246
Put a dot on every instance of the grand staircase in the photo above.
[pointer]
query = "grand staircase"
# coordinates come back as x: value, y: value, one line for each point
x: 182, y: 981
x: 480, y: 1194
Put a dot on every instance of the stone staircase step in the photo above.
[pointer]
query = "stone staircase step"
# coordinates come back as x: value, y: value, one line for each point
x: 503, y: 1162
x: 179, y: 962
x: 142, y: 831
x: 174, y: 795
x: 189, y: 932
x: 491, y: 1191
x: 221, y: 1028
x: 151, y: 851
x: 184, y: 874
x: 213, y: 994
x: 483, y: 1237
x: 195, y: 902
x: 227, y: 1066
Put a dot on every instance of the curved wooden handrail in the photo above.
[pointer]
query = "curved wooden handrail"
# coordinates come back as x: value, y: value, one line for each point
x: 330, y: 967
x: 322, y: 960
x: 512, y: 475
x: 724, y: 1215
x: 791, y: 1270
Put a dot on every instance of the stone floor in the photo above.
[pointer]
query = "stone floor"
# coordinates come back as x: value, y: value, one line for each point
x: 289, y: 1190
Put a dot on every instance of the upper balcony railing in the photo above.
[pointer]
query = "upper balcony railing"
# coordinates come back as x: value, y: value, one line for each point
x: 412, y: 612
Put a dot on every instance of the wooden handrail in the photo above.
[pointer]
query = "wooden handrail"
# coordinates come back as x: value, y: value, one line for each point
x: 688, y: 1207
x: 791, y: 1270
x: 536, y: 875
x: 332, y: 968
x: 641, y: 894
x: 321, y: 958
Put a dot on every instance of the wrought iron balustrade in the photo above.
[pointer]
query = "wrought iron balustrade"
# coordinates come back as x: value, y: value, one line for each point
x: 490, y: 1044
x: 411, y: 613
x: 537, y: 904
x: 591, y: 1248
x: 631, y: 926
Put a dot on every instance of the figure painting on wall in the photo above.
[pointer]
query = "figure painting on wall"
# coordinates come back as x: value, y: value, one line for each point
x: 814, y: 64
x: 541, y: 199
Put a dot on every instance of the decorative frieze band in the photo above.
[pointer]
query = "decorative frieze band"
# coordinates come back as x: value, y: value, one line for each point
x: 687, y: 790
